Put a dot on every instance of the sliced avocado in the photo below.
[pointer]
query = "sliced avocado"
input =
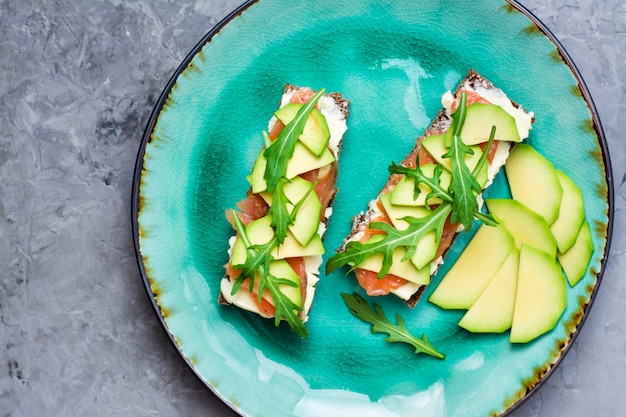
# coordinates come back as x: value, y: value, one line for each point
x: 398, y: 268
x: 540, y: 297
x: 436, y: 148
x: 260, y: 232
x: 316, y: 133
x: 304, y: 161
x: 291, y: 248
x: 309, y: 214
x: 533, y: 181
x: 397, y: 212
x: 475, y: 267
x: 479, y: 119
x: 525, y: 225
x: 403, y: 193
x: 576, y: 260
x: 571, y: 213
x: 427, y: 246
x: 301, y: 161
x: 256, y: 180
x: 492, y: 312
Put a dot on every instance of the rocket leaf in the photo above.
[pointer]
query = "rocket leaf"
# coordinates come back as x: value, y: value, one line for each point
x: 420, y: 177
x: 258, y: 262
x: 463, y: 185
x: 357, y: 252
x: 279, y: 211
x: 281, y: 150
x: 380, y: 324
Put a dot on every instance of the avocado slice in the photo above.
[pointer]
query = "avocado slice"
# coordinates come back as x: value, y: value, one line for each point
x: 475, y: 267
x: 479, y: 119
x: 316, y: 133
x: 576, y: 260
x: 308, y: 217
x: 404, y: 191
x: 525, y: 225
x: 428, y: 244
x: 534, y: 182
x: 567, y: 225
x: 436, y: 147
x: 492, y: 312
x: 540, y: 297
x: 301, y: 161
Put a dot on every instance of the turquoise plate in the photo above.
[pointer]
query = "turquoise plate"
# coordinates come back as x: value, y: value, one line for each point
x: 394, y: 60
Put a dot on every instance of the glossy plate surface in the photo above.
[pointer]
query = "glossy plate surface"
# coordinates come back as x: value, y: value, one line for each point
x: 394, y: 61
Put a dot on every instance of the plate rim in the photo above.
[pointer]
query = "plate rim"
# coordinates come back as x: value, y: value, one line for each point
x: 160, y: 103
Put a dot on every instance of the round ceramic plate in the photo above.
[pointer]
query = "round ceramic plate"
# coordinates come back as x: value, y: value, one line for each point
x: 393, y: 60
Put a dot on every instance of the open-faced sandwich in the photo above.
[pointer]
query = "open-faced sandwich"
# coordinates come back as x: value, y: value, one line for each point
x: 275, y: 257
x: 435, y: 193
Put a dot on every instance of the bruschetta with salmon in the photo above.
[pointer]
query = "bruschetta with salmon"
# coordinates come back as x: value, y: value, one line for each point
x: 276, y: 253
x: 398, y: 244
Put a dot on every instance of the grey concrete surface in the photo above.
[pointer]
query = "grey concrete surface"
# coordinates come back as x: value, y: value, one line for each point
x: 78, y: 335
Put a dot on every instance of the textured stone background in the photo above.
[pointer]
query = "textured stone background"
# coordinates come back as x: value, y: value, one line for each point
x: 78, y: 335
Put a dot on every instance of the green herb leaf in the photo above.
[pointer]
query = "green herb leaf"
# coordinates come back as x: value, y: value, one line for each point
x: 281, y: 219
x: 434, y: 183
x: 285, y: 308
x: 281, y: 150
x: 258, y: 256
x: 463, y: 185
x: 258, y: 262
x: 380, y: 324
x: 357, y: 252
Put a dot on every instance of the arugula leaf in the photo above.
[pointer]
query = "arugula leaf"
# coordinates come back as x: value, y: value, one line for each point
x: 258, y: 261
x: 357, y: 252
x: 434, y: 183
x: 285, y: 308
x: 380, y: 324
x: 281, y: 219
x: 279, y: 209
x: 463, y: 184
x: 281, y: 150
x: 258, y: 256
